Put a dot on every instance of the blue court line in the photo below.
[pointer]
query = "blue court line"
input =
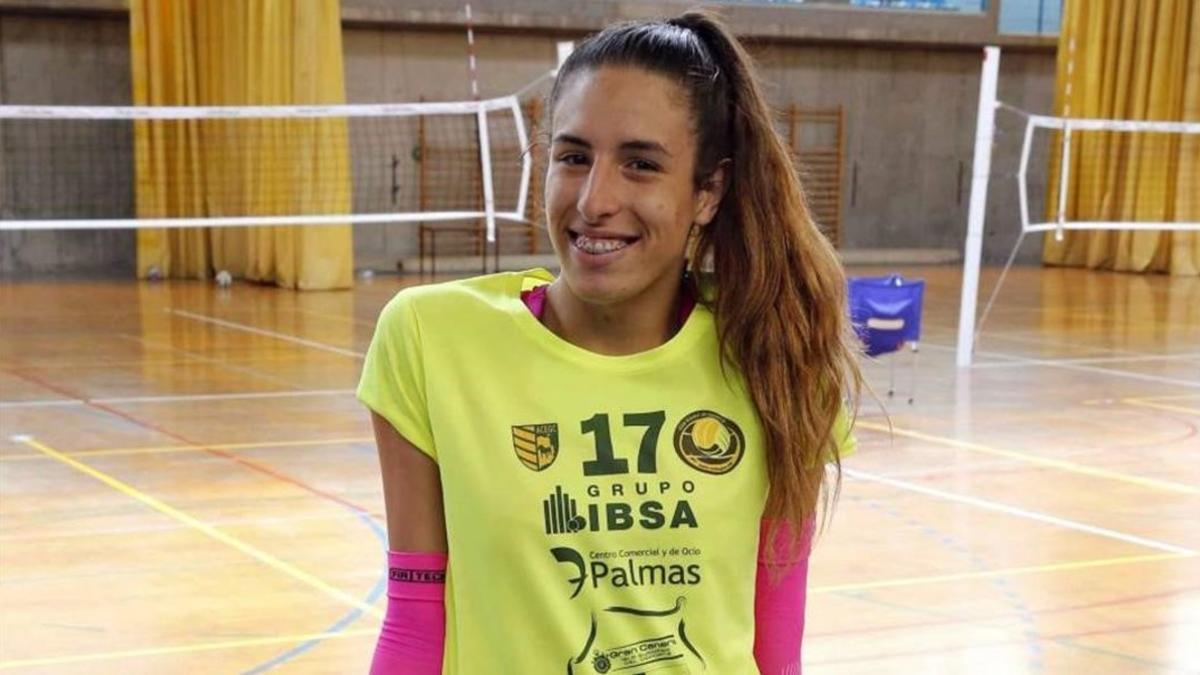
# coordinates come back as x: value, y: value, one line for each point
x: 1035, y: 651
x: 351, y: 616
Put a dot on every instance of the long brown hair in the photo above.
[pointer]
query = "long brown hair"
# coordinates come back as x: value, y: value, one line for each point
x: 778, y: 291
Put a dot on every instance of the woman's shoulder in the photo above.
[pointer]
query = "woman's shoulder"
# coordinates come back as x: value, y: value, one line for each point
x: 462, y: 299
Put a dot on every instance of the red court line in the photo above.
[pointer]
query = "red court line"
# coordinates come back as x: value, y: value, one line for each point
x: 926, y: 651
x: 253, y: 466
x: 1007, y: 615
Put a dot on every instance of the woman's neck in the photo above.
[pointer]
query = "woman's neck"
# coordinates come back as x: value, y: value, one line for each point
x: 635, y: 325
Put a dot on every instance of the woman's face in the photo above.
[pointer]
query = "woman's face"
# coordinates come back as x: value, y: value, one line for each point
x: 620, y: 195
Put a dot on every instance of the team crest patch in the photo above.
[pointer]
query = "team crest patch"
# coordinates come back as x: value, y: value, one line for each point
x: 536, y: 445
x: 709, y: 442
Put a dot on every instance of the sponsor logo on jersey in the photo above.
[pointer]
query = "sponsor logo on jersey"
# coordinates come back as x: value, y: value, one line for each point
x: 560, y: 511
x: 628, y: 574
x: 562, y: 514
x: 709, y: 442
x: 570, y: 556
x: 536, y: 445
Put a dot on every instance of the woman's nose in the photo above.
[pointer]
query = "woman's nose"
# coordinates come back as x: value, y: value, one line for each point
x: 600, y: 197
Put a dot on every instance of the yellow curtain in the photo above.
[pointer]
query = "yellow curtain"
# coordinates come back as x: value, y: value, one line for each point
x: 1139, y: 60
x: 242, y: 52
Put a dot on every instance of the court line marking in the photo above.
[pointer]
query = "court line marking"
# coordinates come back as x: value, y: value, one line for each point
x: 835, y: 588
x: 1073, y: 366
x: 336, y: 317
x: 182, y: 649
x: 178, y: 398
x: 1113, y: 399
x: 1154, y: 483
x: 249, y: 464
x: 998, y: 507
x: 193, y: 448
x: 233, y: 355
x: 59, y: 535
x: 1142, y: 403
x: 41, y: 403
x: 204, y: 528
x: 212, y: 361
x: 232, y: 325
x: 1099, y: 359
x: 1033, y: 639
x: 1175, y: 397
x: 1006, y: 572
x: 351, y: 616
x: 1036, y: 340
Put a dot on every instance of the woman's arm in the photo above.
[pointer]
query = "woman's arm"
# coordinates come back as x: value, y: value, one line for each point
x: 414, y: 628
x: 780, y: 598
x: 412, y: 493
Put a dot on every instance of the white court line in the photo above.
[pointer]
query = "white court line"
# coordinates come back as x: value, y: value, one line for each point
x: 232, y: 396
x: 42, y: 403
x: 1037, y: 339
x: 1193, y: 384
x: 1177, y: 397
x: 1098, y: 359
x: 336, y: 317
x: 170, y: 527
x: 1019, y: 512
x: 268, y: 333
x: 209, y: 360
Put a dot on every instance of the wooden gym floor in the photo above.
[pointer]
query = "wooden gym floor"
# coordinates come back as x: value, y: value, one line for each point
x: 188, y: 485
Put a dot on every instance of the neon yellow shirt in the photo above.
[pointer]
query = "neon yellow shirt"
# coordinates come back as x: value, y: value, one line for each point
x: 602, y: 512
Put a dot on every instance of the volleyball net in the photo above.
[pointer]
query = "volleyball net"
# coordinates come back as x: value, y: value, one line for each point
x: 1073, y: 174
x: 80, y: 167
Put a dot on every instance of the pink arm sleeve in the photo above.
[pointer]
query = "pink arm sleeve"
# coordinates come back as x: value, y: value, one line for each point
x: 779, y: 607
x: 414, y: 626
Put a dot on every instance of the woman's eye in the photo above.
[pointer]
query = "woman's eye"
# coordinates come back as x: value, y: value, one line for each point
x: 572, y: 159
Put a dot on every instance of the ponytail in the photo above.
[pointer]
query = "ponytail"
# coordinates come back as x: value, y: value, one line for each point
x: 777, y: 287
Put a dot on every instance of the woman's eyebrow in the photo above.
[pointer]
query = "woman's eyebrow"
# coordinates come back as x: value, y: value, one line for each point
x: 572, y: 140
x: 636, y: 144
x: 646, y: 146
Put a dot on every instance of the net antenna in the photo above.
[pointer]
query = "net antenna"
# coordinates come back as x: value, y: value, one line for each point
x: 485, y: 155
x: 485, y: 160
x: 1069, y: 144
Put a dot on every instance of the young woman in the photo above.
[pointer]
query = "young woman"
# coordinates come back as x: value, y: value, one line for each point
x: 618, y: 469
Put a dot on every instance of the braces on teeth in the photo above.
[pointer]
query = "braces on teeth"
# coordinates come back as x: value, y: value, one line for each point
x: 599, y: 245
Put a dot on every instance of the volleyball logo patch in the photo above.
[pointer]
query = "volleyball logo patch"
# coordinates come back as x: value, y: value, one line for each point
x: 536, y: 445
x: 709, y: 443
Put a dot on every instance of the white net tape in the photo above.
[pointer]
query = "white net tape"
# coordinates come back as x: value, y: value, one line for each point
x: 1124, y: 162
x: 84, y: 167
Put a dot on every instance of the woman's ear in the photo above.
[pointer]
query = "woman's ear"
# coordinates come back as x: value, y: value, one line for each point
x: 711, y: 192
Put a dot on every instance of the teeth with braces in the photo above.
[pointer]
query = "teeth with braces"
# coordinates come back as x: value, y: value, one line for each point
x: 595, y: 246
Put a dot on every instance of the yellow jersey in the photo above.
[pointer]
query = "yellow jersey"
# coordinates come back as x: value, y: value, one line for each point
x: 602, y: 512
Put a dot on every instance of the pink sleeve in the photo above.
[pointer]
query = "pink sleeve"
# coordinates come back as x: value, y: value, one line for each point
x: 414, y: 626
x: 779, y: 606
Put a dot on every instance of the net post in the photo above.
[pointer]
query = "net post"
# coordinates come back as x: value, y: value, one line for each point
x: 1063, y: 179
x: 485, y: 165
x: 982, y: 167
x: 524, y: 147
x: 1022, y: 173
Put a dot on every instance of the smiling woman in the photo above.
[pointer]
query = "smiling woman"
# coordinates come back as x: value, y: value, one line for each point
x: 697, y: 298
x: 622, y: 204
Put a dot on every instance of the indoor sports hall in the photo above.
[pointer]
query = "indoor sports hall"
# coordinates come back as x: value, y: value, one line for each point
x: 205, y: 204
